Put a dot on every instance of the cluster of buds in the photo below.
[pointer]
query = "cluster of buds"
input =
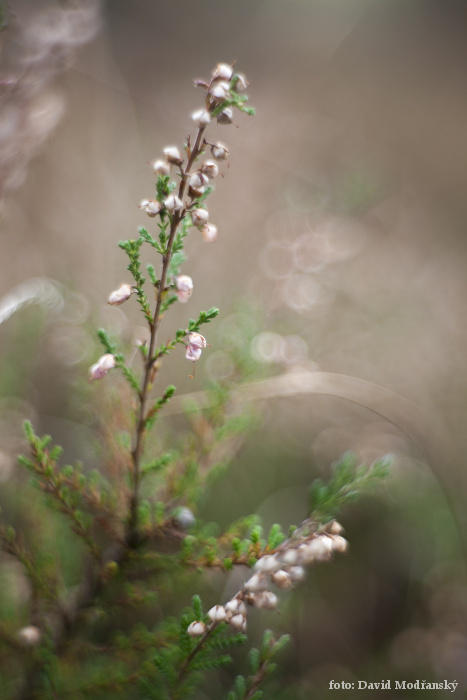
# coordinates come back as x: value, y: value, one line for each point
x: 282, y: 569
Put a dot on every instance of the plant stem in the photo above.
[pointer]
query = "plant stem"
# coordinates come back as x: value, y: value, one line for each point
x: 133, y: 535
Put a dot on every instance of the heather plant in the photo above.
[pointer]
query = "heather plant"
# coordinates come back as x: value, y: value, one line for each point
x: 117, y: 628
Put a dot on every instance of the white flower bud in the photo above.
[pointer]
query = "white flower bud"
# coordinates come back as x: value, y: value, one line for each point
x: 257, y: 582
x: 267, y: 563
x: 263, y: 599
x: 160, y: 167
x: 173, y: 155
x: 185, y: 518
x: 219, y: 91
x: 184, y: 287
x: 198, y: 179
x: 318, y: 548
x: 238, y: 622
x: 196, y: 629
x: 289, y: 557
x: 334, y: 528
x: 219, y: 151
x: 150, y: 206
x: 196, y: 192
x: 210, y: 169
x: 225, y: 117
x: 339, y: 544
x: 29, y: 636
x: 281, y: 579
x: 118, y: 296
x: 240, y: 83
x: 217, y: 613
x: 173, y: 203
x: 234, y: 607
x: 201, y: 117
x: 199, y: 217
x: 209, y: 232
x: 222, y: 72
x: 192, y: 353
x: 296, y: 573
x: 101, y: 367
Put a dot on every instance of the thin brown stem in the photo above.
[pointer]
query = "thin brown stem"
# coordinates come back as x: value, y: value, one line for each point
x: 146, y: 385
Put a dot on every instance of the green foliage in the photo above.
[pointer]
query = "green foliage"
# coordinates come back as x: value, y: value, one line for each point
x: 261, y: 665
x: 348, y: 481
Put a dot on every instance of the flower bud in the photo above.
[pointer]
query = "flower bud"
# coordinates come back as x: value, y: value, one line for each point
x: 160, y: 167
x: 198, y: 179
x: 219, y: 91
x: 318, y: 548
x: 209, y: 232
x: 339, y: 544
x: 296, y: 573
x: 184, y: 287
x: 267, y: 563
x: 257, y: 582
x: 217, y: 613
x: 102, y: 366
x: 263, y: 599
x: 225, y: 117
x: 173, y: 155
x: 185, y: 518
x: 201, y: 117
x: 118, y: 296
x: 289, y: 557
x: 150, y: 206
x: 222, y: 72
x: 219, y: 151
x: 199, y: 217
x: 173, y: 203
x: 334, y: 528
x: 240, y: 83
x: 196, y: 629
x: 29, y: 636
x: 281, y: 579
x: 238, y: 622
x: 196, y: 340
x: 210, y: 169
x: 234, y: 607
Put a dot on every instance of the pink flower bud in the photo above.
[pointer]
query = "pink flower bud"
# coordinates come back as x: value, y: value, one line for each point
x: 199, y: 217
x: 102, y: 366
x: 201, y: 117
x: 196, y: 629
x: 173, y: 203
x: 173, y: 155
x: 150, y: 206
x: 225, y: 117
x: 192, y: 353
x: 196, y: 340
x: 209, y: 232
x: 184, y: 287
x: 198, y: 179
x: 222, y: 72
x: 210, y: 169
x: 219, y: 151
x: 118, y: 296
x: 160, y: 167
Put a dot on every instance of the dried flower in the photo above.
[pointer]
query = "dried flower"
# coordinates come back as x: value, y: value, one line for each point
x: 209, y: 232
x: 160, y: 167
x: 219, y: 151
x: 173, y: 203
x: 196, y: 629
x: 120, y: 295
x: 201, y: 117
x: 210, y: 169
x: 199, y: 217
x: 198, y: 179
x: 101, y: 367
x: 219, y: 91
x: 172, y: 155
x: 222, y: 72
x: 151, y: 206
x: 226, y: 116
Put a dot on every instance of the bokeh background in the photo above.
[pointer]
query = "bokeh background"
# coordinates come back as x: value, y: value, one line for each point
x: 342, y: 222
